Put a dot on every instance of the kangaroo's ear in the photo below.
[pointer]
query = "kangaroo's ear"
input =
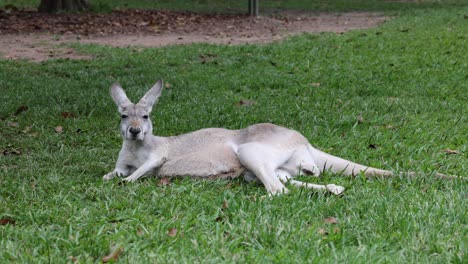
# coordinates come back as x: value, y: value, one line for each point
x: 119, y: 96
x: 152, y: 95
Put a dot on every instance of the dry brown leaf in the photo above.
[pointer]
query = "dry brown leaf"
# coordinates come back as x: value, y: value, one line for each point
x: 322, y: 232
x: 451, y: 151
x: 13, y: 124
x: 67, y: 115
x: 59, y: 129
x: 246, y: 103
x: 21, y: 109
x: 72, y: 259
x: 7, y: 221
x: 167, y: 85
x: 172, y: 232
x: 140, y: 231
x: 336, y: 230
x: 360, y: 119
x: 315, y: 84
x: 11, y: 152
x: 331, y: 220
x: 164, y: 181
x: 114, y: 255
x: 26, y: 130
x: 225, y: 205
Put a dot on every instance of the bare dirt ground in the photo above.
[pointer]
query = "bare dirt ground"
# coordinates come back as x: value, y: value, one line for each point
x: 38, y: 37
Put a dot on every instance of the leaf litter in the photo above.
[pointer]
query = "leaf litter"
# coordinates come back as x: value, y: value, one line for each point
x: 113, y: 255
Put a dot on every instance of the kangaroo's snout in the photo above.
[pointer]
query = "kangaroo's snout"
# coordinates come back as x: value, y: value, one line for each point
x: 134, y: 130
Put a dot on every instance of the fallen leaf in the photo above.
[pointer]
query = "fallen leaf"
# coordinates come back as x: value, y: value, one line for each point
x: 336, y: 230
x: 172, y: 232
x: 67, y: 115
x: 13, y: 124
x: 11, y: 152
x: 225, y: 205
x: 140, y: 231
x: 322, y: 232
x: 72, y: 259
x: 451, y: 151
x: 246, y: 103
x: 360, y: 119
x: 59, y: 129
x: 26, y: 130
x: 114, y: 255
x: 167, y: 85
x: 164, y: 181
x: 207, y: 57
x: 331, y: 220
x: 21, y: 109
x: 7, y: 221
x: 315, y: 84
x: 372, y: 146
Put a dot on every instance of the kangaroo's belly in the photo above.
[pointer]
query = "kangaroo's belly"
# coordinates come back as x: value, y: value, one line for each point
x: 209, y: 153
x: 215, y: 162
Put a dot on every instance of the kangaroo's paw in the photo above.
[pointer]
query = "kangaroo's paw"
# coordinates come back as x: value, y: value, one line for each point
x: 278, y: 192
x: 109, y: 175
x: 130, y: 179
x: 335, y: 189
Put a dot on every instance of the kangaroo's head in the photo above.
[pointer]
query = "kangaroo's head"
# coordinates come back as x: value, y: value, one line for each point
x: 135, y: 121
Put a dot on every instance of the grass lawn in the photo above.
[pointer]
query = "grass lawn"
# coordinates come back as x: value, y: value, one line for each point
x: 407, y: 80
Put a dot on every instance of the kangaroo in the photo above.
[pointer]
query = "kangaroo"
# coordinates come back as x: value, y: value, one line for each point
x: 265, y: 152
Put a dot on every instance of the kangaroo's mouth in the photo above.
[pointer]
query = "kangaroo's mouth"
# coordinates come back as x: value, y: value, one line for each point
x: 135, y: 137
x: 130, y: 136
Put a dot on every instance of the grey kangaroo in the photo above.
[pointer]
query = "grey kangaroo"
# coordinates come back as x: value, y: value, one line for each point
x: 266, y: 152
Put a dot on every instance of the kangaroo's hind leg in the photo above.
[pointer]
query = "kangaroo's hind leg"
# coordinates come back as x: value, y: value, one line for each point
x: 262, y: 160
x: 285, y: 177
x: 301, y: 163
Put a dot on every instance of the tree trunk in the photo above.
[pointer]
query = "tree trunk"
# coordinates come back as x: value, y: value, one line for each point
x: 52, y: 6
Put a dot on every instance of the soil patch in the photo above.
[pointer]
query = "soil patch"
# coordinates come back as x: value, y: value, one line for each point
x: 37, y: 37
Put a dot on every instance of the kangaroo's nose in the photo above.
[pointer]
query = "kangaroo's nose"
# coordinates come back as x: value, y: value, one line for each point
x: 135, y: 130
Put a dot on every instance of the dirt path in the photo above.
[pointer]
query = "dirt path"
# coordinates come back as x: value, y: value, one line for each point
x: 39, y: 37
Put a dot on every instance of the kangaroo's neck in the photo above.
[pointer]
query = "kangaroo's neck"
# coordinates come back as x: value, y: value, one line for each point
x: 149, y: 140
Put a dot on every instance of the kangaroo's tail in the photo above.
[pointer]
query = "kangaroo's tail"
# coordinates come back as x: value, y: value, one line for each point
x: 327, y: 162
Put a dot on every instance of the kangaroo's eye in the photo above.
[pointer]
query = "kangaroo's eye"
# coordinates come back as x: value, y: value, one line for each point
x: 145, y: 117
x: 124, y: 116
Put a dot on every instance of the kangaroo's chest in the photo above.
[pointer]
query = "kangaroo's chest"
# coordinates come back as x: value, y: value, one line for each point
x: 135, y: 157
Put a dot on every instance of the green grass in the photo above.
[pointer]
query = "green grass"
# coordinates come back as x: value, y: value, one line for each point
x: 406, y: 78
x: 266, y: 6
